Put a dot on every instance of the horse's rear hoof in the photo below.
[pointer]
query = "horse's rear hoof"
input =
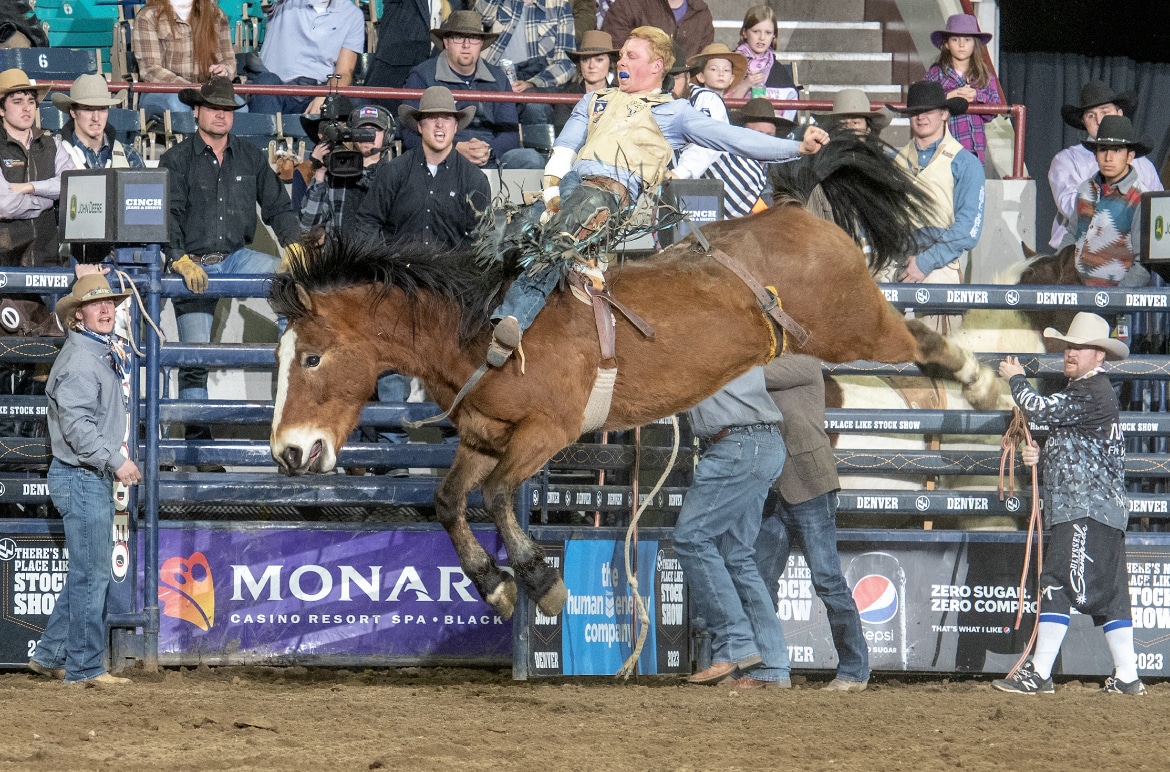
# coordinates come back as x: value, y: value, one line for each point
x: 554, y: 600
x: 983, y: 393
x: 503, y: 598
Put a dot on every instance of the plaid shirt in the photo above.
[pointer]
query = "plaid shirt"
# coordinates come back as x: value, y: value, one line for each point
x: 166, y: 54
x: 967, y: 128
x: 549, y: 33
x: 334, y: 201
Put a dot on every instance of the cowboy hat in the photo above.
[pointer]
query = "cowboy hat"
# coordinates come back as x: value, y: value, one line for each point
x: 926, y: 95
x: 467, y: 23
x: 217, y: 92
x: 680, y: 62
x: 853, y: 103
x: 312, y: 123
x: 593, y: 43
x: 1117, y: 131
x: 88, y: 289
x: 15, y: 80
x: 1094, y: 94
x: 720, y: 51
x: 87, y: 91
x: 436, y: 100
x: 963, y: 24
x: 1088, y: 330
x: 760, y: 110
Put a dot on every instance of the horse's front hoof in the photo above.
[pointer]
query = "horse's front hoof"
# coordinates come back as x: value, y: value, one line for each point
x: 503, y: 598
x: 551, y: 603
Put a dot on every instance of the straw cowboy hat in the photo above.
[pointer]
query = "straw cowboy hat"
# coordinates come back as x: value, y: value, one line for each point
x: 593, y: 43
x: 1117, y: 131
x: 760, y: 110
x: 436, y: 100
x: 959, y: 24
x: 468, y: 23
x: 87, y: 91
x: 1088, y: 330
x: 853, y: 103
x: 926, y: 95
x: 720, y: 51
x: 217, y: 92
x: 88, y: 289
x: 1094, y: 94
x: 15, y: 80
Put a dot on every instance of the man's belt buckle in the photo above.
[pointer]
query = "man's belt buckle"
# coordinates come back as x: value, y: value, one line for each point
x: 211, y: 258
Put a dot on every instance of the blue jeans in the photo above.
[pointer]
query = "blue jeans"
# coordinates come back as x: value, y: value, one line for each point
x: 714, y: 540
x: 156, y: 104
x: 393, y: 387
x: 194, y: 317
x: 75, y: 637
x: 268, y: 104
x: 522, y: 158
x: 527, y: 295
x: 812, y: 525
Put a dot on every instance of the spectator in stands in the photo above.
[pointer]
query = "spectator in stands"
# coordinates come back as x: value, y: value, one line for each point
x: 1106, y: 223
x: 539, y: 56
x: 718, y: 526
x: 595, y: 59
x: 1083, y: 469
x: 852, y: 111
x: 87, y: 135
x: 1075, y: 164
x: 804, y: 511
x: 963, y: 71
x: 331, y: 202
x: 689, y: 22
x: 404, y: 40
x: 712, y: 71
x: 430, y: 193
x: 87, y: 424
x: 954, y: 178
x: 20, y: 27
x: 757, y: 42
x: 745, y: 179
x: 679, y: 78
x: 32, y: 163
x: 493, y: 134
x: 584, y: 17
x: 307, y: 42
x: 180, y: 41
x: 215, y: 183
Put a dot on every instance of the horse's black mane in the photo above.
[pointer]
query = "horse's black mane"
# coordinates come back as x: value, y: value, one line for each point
x: 870, y: 195
x: 410, y: 266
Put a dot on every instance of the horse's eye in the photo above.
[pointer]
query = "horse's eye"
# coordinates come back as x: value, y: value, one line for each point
x: 312, y: 360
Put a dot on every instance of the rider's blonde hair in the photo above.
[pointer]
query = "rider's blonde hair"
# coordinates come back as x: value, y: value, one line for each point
x: 661, y: 46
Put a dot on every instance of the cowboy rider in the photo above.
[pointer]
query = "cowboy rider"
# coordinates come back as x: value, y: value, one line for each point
x: 616, y: 143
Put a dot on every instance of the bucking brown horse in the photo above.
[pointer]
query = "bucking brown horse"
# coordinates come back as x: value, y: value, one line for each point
x: 356, y: 311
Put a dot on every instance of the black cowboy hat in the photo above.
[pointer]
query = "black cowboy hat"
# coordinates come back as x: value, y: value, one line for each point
x: 680, y: 62
x: 468, y: 23
x: 217, y: 92
x: 760, y: 110
x: 312, y: 123
x: 926, y: 95
x: 1117, y: 131
x: 1094, y: 94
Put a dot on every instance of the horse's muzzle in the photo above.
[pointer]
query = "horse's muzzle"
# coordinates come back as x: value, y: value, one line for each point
x: 293, y: 460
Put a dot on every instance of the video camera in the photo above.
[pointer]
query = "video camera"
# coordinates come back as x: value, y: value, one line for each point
x: 333, y: 131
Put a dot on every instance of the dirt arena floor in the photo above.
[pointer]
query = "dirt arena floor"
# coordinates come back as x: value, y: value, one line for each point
x: 449, y: 718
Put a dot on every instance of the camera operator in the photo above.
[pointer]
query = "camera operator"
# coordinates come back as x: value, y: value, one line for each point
x: 337, y: 189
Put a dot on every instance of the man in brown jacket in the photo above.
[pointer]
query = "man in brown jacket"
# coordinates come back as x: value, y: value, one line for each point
x: 805, y: 511
x: 694, y: 30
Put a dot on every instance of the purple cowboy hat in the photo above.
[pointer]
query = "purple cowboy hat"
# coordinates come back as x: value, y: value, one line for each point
x: 959, y: 24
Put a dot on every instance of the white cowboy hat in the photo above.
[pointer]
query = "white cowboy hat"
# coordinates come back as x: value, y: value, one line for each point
x: 88, y: 91
x: 1089, y: 330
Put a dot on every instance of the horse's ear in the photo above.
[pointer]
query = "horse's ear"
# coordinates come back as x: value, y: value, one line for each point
x: 305, y: 298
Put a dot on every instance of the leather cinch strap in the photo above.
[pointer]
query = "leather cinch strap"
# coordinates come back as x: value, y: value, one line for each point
x: 768, y: 301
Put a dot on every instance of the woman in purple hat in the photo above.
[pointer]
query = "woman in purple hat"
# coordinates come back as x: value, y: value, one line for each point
x: 963, y: 72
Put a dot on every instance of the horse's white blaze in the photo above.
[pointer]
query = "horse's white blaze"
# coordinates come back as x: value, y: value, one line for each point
x: 285, y: 353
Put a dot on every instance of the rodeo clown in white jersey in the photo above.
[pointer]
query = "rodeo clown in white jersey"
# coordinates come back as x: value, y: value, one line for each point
x: 621, y: 140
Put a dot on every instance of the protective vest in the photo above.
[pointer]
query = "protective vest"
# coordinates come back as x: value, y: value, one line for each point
x: 30, y: 242
x: 623, y: 133
x: 935, y: 178
x: 117, y: 156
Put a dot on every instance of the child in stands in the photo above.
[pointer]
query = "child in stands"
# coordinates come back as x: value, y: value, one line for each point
x: 963, y: 71
x: 757, y: 42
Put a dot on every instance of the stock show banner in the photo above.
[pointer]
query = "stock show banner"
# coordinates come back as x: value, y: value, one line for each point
x: 296, y: 594
x: 596, y: 630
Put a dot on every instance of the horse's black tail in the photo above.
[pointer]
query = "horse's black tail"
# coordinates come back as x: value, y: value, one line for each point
x: 872, y: 199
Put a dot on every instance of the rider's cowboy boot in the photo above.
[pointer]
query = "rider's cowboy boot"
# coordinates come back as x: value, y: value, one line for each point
x: 505, y: 340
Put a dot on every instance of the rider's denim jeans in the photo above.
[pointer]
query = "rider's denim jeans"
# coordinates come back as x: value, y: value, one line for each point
x: 714, y: 540
x: 527, y: 296
x: 75, y: 636
x: 812, y: 525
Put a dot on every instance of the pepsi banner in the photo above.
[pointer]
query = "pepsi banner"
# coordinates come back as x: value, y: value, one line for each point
x: 596, y: 630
